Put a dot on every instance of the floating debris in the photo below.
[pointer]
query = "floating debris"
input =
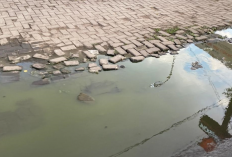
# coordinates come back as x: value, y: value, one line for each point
x: 196, y: 65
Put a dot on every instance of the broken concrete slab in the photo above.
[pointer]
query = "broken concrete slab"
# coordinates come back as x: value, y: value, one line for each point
x: 67, y: 48
x: 92, y: 65
x: 56, y: 72
x: 155, y: 55
x: 200, y: 38
x: 59, y: 52
x: 39, y: 66
x: 120, y: 51
x: 75, y: 55
x: 57, y: 60
x: 26, y: 57
x: 134, y: 52
x: 40, y: 56
x: 137, y: 59
x: 103, y: 61
x: 110, y: 67
x: 80, y: 69
x: 95, y: 69
x: 71, y: 63
x: 116, y: 59
x: 12, y: 68
x: 89, y: 55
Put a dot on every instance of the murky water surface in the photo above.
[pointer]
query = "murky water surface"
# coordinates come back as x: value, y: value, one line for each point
x: 130, y: 117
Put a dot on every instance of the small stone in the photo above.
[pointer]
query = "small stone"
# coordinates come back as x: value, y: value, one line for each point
x: 103, y: 61
x: 59, y: 52
x: 180, y: 32
x: 122, y: 66
x: 39, y: 66
x: 110, y: 67
x: 137, y: 59
x: 162, y: 38
x: 12, y: 68
x: 80, y: 69
x: 57, y: 72
x: 58, y: 67
x: 57, y: 60
x: 71, y: 63
x: 40, y: 56
x: 65, y: 71
x: 84, y: 97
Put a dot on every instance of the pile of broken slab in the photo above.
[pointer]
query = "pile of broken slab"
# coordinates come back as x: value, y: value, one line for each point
x: 154, y: 44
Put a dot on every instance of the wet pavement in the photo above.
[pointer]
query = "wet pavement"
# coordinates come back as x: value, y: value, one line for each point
x: 158, y: 107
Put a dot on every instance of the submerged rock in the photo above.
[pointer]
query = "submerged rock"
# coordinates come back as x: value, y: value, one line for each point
x: 39, y: 66
x: 65, y: 71
x: 41, y: 82
x: 84, y: 97
x: 80, y: 69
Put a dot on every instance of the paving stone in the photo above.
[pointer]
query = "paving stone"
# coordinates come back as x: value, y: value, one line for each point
x: 59, y: 52
x: 130, y: 46
x: 162, y: 38
x: 103, y: 61
x: 178, y: 46
x: 137, y: 43
x: 167, y: 43
x: 120, y: 51
x: 71, y: 63
x: 173, y: 47
x: 154, y: 41
x: 177, y: 42
x: 88, y: 45
x: 57, y: 60
x: 39, y: 66
x: 114, y: 45
x: 40, y: 56
x: 201, y: 38
x: 67, y: 48
x: 137, y: 59
x: 89, y: 55
x: 110, y: 52
x: 164, y: 33
x: 144, y: 53
x: 110, y: 67
x: 100, y: 48
x: 148, y: 44
x: 116, y: 59
x: 134, y: 52
x: 180, y: 32
x: 161, y: 46
x: 193, y: 31
x: 189, y: 36
x: 11, y: 68
x: 153, y: 50
x: 189, y: 41
x: 181, y: 36
x: 75, y: 55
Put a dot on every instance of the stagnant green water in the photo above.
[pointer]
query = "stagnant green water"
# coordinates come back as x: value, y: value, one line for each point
x: 128, y: 117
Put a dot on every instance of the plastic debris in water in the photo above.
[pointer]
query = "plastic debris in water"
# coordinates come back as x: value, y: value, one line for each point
x: 152, y: 85
x: 25, y: 71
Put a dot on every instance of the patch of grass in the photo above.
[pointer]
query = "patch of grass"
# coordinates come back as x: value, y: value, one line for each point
x: 172, y: 30
x: 157, y: 30
x: 171, y: 39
